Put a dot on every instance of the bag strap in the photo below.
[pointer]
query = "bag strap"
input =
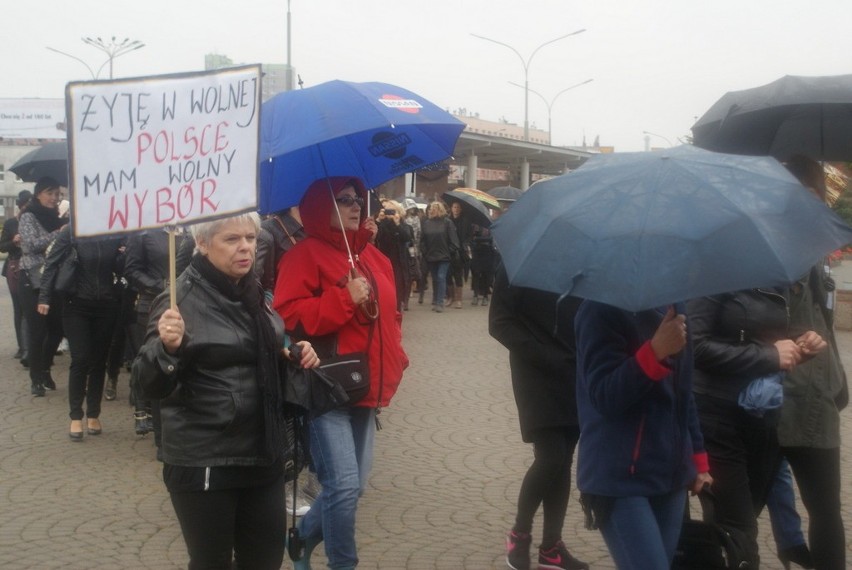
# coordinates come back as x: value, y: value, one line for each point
x: 283, y: 227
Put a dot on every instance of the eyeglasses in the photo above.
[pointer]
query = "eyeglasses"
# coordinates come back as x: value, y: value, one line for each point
x: 348, y: 201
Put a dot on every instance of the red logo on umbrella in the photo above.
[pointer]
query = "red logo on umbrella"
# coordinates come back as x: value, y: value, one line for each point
x: 397, y: 102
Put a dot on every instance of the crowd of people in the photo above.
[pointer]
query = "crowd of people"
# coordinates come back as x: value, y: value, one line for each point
x: 651, y: 401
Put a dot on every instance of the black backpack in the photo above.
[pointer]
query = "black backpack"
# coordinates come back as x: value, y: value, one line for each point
x: 706, y: 545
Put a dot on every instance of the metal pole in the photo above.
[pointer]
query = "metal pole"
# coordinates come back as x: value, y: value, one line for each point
x: 549, y: 105
x: 526, y: 64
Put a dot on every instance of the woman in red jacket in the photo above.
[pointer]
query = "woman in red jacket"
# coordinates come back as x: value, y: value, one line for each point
x: 319, y: 298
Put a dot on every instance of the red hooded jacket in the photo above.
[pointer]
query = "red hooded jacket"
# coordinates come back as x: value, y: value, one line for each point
x: 311, y: 295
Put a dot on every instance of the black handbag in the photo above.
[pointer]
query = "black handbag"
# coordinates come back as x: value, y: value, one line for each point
x: 706, y: 545
x: 34, y: 276
x: 66, y: 275
x: 340, y: 379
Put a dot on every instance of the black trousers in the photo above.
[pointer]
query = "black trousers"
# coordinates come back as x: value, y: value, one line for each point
x: 548, y: 482
x: 89, y: 326
x: 44, y: 332
x: 817, y: 473
x: 246, y: 524
x: 744, y: 456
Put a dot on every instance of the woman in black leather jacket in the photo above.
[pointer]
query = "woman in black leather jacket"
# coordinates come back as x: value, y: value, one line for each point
x: 740, y: 337
x: 213, y: 363
x: 89, y: 311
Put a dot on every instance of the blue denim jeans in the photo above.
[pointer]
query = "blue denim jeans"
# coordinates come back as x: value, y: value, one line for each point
x: 781, y: 504
x: 342, y: 452
x: 438, y: 270
x: 642, y: 532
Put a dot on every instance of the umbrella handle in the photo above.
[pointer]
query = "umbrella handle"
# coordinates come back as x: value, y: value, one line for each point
x: 370, y: 307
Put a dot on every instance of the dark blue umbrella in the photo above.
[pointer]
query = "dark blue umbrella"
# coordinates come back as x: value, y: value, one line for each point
x: 641, y: 230
x: 374, y: 131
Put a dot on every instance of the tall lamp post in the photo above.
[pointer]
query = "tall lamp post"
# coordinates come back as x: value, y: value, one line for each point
x: 112, y: 49
x: 550, y: 104
x: 647, y: 133
x: 526, y: 63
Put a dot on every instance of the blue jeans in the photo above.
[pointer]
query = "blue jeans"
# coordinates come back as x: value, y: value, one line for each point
x: 642, y: 532
x: 438, y: 270
x: 781, y: 503
x: 342, y: 452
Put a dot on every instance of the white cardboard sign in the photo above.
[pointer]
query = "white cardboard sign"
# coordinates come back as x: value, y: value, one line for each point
x: 162, y: 151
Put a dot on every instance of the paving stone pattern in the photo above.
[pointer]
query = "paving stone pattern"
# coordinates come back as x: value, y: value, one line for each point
x: 447, y: 470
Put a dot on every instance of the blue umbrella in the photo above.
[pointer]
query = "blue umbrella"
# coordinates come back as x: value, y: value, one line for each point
x: 374, y: 131
x: 641, y: 230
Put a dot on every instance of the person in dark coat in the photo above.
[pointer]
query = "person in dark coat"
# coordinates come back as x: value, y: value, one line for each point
x: 281, y: 231
x: 439, y: 244
x: 483, y: 260
x: 394, y: 240
x: 10, y: 244
x: 89, y: 311
x: 538, y: 330
x: 741, y: 337
x: 213, y: 362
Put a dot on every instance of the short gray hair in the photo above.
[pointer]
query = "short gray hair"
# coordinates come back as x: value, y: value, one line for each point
x: 206, y: 230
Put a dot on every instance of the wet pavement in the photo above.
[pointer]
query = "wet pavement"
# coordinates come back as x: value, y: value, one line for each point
x: 448, y: 466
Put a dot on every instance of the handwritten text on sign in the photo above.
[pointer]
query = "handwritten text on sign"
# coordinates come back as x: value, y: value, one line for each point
x: 163, y: 150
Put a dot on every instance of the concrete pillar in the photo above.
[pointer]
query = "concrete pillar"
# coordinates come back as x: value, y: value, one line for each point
x: 470, y: 175
x: 525, y: 174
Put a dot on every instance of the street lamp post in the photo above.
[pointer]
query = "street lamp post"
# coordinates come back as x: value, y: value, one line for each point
x: 113, y: 49
x: 549, y: 105
x: 660, y: 136
x: 526, y: 63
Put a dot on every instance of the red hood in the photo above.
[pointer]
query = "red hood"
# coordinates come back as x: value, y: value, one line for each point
x: 318, y: 204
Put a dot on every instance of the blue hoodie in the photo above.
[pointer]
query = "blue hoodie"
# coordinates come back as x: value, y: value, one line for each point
x: 639, y: 428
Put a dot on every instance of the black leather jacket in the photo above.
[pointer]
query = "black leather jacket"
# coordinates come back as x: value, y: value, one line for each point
x: 99, y: 262
x: 734, y: 336
x: 211, y: 405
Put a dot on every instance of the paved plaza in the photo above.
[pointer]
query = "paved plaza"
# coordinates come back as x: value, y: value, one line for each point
x: 447, y: 470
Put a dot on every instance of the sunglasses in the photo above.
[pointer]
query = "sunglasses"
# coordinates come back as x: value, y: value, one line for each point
x: 348, y: 201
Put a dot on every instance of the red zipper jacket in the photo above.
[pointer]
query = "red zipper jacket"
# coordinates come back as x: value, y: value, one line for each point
x: 311, y: 295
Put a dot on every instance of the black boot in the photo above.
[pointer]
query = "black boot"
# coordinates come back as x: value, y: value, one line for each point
x: 37, y: 390
x: 110, y: 392
x: 142, y: 424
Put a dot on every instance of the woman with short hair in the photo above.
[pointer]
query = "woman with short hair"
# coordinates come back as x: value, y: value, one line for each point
x: 213, y: 361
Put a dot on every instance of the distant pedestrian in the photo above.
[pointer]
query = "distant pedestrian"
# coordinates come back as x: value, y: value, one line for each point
x: 439, y: 245
x: 38, y: 227
x: 10, y: 244
x: 89, y: 311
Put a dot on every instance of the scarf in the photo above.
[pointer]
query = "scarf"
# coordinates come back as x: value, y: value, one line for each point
x: 48, y: 218
x: 248, y: 292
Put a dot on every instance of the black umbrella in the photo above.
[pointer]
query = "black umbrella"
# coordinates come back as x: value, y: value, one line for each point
x: 473, y: 207
x: 506, y: 193
x: 792, y: 115
x: 50, y: 159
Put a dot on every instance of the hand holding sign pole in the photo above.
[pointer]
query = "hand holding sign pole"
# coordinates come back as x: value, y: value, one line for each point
x: 162, y: 151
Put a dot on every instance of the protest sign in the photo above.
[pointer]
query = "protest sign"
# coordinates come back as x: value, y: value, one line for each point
x: 162, y: 151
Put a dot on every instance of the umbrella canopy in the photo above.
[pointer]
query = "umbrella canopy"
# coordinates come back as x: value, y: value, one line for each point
x: 374, y: 131
x: 641, y: 230
x: 487, y: 199
x: 50, y: 159
x: 506, y: 193
x: 471, y: 206
x: 792, y: 115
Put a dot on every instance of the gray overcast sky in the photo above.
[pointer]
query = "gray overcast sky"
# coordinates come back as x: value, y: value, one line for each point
x: 656, y: 64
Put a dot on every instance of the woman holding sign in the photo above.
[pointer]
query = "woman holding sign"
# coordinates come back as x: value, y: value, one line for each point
x: 213, y: 362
